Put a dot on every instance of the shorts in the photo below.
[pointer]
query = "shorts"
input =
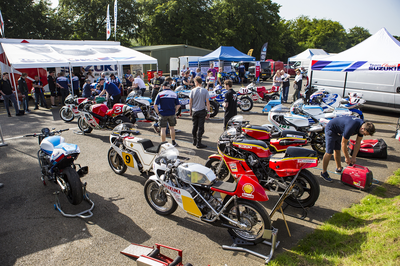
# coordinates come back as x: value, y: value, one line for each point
x: 332, y: 140
x: 167, y: 120
x: 54, y: 92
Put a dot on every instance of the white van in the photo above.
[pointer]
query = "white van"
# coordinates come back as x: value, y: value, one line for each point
x: 379, y: 89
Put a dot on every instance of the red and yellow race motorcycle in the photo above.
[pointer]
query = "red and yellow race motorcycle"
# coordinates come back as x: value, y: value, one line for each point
x: 238, y: 156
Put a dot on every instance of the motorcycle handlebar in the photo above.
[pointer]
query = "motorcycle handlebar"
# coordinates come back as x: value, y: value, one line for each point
x: 31, y: 135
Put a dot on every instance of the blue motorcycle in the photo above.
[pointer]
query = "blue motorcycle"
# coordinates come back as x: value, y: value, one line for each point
x: 183, y: 96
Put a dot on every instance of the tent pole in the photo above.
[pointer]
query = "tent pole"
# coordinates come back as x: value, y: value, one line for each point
x: 344, y: 87
x: 15, y: 87
x: 70, y: 78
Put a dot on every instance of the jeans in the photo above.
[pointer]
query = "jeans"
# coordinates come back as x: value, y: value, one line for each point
x: 285, y: 92
x: 198, y: 118
x: 11, y: 97
x: 64, y: 93
x: 41, y: 96
x: 142, y: 90
x: 26, y: 101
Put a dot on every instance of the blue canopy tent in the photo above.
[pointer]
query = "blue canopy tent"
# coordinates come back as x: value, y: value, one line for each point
x: 227, y: 53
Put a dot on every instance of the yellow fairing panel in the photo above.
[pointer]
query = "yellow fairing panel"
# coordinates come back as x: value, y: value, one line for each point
x: 190, y: 206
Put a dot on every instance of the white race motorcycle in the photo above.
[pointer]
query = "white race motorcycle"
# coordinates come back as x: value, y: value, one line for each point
x: 135, y: 153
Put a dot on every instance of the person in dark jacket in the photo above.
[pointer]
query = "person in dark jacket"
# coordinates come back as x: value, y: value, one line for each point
x: 6, y: 91
x: 23, y: 88
x: 230, y: 103
x: 54, y: 90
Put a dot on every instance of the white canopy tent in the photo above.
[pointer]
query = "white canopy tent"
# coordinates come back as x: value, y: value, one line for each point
x: 22, y: 54
x: 305, y: 56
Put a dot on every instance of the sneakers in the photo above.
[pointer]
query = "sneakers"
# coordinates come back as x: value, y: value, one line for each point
x: 36, y: 108
x: 175, y: 144
x: 201, y: 146
x: 326, y: 177
x: 338, y: 171
x: 9, y: 115
x: 19, y: 114
x: 53, y: 105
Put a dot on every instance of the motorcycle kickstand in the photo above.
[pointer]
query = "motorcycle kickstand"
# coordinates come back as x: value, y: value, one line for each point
x: 83, y: 214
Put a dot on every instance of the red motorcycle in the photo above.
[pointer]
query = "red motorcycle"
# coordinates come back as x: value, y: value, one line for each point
x: 70, y: 110
x: 277, y: 141
x: 98, y: 116
x: 238, y: 156
x: 262, y: 95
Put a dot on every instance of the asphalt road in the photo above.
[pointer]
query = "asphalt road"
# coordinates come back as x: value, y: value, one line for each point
x: 33, y: 233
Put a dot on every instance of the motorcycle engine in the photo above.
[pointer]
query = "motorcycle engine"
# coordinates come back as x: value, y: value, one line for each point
x: 203, y: 207
x: 44, y: 162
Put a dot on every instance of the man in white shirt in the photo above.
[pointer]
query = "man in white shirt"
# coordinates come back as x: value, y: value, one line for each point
x: 138, y: 84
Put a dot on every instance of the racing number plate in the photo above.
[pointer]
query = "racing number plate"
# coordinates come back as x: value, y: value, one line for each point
x: 128, y: 159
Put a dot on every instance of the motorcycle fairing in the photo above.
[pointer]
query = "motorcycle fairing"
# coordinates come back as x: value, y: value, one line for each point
x: 100, y: 109
x: 294, y: 159
x: 282, y: 144
x: 117, y: 109
x: 246, y: 187
x: 62, y: 150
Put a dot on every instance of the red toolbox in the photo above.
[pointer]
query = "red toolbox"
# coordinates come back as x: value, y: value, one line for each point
x: 357, y: 176
x: 370, y: 148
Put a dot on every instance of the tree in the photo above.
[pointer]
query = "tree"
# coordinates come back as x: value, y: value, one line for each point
x: 356, y: 35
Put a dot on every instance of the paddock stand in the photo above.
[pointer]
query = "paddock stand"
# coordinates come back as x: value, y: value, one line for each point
x: 267, y: 233
x: 2, y: 143
x: 88, y: 212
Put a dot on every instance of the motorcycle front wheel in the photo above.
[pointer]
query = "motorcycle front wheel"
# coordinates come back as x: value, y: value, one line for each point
x: 73, y: 183
x: 253, y: 216
x: 66, y: 114
x: 318, y: 142
x: 83, y: 126
x: 305, y: 191
x: 214, y: 108
x: 223, y: 174
x: 160, y: 200
x: 246, y: 104
x: 116, y: 162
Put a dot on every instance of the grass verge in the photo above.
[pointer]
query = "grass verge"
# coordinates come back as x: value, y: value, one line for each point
x: 367, y: 233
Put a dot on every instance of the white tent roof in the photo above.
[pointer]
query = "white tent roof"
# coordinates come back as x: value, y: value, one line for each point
x: 52, y: 53
x: 307, y: 54
x: 380, y: 52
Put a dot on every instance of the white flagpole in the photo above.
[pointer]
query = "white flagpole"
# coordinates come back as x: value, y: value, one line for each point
x: 2, y: 24
x: 115, y: 19
x: 108, y: 27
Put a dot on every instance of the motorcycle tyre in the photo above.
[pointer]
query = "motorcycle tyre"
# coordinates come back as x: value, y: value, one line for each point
x: 151, y: 202
x: 274, y: 96
x: 64, y: 111
x: 247, y: 99
x: 307, y: 176
x: 116, y: 170
x: 81, y: 126
x: 226, y: 178
x: 315, y: 143
x: 75, y: 192
x: 258, y: 208
x: 122, y: 119
x: 214, y: 108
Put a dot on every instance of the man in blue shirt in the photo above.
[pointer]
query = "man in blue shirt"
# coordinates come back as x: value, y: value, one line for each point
x: 39, y: 94
x: 337, y: 135
x: 113, y: 93
x: 166, y: 106
x: 62, y: 83
x: 75, y: 84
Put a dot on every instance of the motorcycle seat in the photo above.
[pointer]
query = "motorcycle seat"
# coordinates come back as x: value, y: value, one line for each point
x: 225, y: 186
x: 300, y: 152
x: 149, y: 146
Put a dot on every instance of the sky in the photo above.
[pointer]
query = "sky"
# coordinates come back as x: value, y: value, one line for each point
x: 369, y: 14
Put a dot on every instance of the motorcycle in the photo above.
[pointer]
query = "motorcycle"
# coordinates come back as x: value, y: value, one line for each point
x: 57, y: 163
x: 244, y: 102
x: 261, y: 94
x: 98, y: 116
x: 183, y: 96
x: 196, y: 190
x: 238, y: 157
x: 136, y: 153
x: 277, y: 142
x: 70, y: 109
x: 330, y: 102
x: 142, y: 107
x: 282, y: 119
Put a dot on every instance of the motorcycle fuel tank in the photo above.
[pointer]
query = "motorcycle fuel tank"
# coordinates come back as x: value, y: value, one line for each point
x: 48, y: 144
x: 257, y: 132
x: 256, y: 146
x: 196, y: 173
x: 100, y: 109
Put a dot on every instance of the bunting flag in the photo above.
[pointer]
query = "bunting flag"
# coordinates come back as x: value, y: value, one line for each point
x: 1, y: 25
x: 115, y: 19
x: 108, y: 23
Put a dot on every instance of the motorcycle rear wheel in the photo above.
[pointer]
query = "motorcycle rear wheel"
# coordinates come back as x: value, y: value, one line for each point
x: 83, y: 126
x: 224, y: 174
x: 214, y: 108
x: 66, y: 114
x: 254, y: 216
x: 246, y: 104
x: 122, y: 119
x: 275, y: 96
x: 116, y: 162
x: 318, y: 143
x: 163, y: 203
x: 74, y: 190
x: 307, y: 188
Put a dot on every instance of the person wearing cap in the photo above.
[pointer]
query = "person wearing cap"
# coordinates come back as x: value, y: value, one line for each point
x: 113, y: 93
x: 166, y: 105
x: 156, y: 86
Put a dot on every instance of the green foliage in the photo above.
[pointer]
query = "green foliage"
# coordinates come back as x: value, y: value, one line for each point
x: 394, y: 180
x: 357, y: 35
